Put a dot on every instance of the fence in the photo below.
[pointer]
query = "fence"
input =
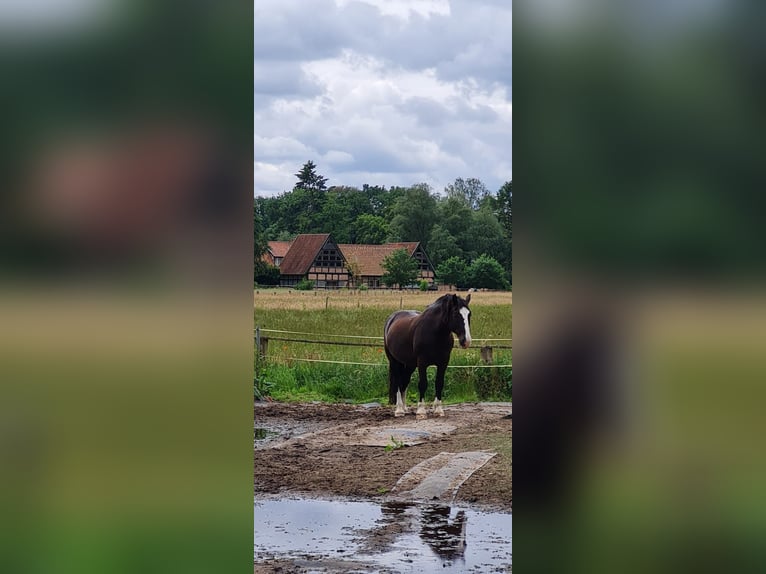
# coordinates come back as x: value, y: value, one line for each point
x: 262, y: 344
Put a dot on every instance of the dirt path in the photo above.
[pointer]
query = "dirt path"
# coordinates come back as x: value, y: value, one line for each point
x: 325, y: 450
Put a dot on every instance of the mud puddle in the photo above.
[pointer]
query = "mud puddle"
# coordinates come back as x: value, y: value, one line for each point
x: 312, y: 535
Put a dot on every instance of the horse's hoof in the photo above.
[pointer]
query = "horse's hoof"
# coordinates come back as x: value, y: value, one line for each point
x: 399, y: 414
x: 439, y: 413
x: 421, y: 416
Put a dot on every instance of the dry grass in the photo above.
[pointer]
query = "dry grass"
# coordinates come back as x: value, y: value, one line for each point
x: 381, y: 299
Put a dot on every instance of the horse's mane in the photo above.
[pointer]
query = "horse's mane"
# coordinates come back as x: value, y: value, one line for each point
x: 439, y: 306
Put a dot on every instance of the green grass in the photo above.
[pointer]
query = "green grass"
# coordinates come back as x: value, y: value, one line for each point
x: 285, y: 379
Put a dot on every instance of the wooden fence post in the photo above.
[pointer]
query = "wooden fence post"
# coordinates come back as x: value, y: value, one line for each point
x: 486, y: 355
x: 261, y: 343
x: 264, y: 348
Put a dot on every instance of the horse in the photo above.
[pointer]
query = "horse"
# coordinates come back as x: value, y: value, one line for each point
x: 414, y: 340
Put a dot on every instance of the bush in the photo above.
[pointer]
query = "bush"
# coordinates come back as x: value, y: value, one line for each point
x: 423, y: 285
x: 305, y: 285
x: 453, y: 271
x: 266, y: 275
x: 486, y: 272
x: 363, y: 287
x: 494, y: 384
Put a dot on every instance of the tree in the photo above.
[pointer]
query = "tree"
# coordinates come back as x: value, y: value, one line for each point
x: 414, y: 214
x: 341, y: 207
x: 260, y: 244
x: 455, y: 216
x: 309, y: 179
x: 453, y: 271
x: 504, y: 207
x: 471, y: 191
x: 307, y: 199
x: 401, y: 269
x: 484, y: 234
x: 486, y: 272
x: 355, y: 270
x: 267, y: 275
x: 442, y: 245
x: 370, y: 229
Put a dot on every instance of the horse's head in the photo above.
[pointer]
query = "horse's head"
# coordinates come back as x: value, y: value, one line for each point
x: 459, y: 318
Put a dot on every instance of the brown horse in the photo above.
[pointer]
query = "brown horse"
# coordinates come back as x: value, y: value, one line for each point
x: 414, y: 340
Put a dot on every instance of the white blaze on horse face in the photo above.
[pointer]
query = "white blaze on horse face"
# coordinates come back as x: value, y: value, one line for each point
x: 464, y: 312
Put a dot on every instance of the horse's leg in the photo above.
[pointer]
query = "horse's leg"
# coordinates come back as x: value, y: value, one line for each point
x: 422, y: 386
x: 396, y: 379
x: 405, y: 383
x: 440, y: 371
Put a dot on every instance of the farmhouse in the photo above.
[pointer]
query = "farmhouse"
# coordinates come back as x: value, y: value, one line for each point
x: 369, y: 259
x: 275, y: 252
x: 318, y: 258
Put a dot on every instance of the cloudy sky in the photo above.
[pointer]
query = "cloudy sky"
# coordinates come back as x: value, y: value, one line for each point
x: 386, y: 92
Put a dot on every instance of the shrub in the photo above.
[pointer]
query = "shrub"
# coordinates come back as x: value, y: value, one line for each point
x: 453, y: 271
x: 423, y: 285
x: 494, y: 384
x: 486, y: 272
x: 266, y: 275
x: 305, y: 285
x: 363, y: 287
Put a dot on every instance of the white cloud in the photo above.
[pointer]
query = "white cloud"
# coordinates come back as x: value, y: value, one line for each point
x: 404, y: 8
x: 387, y: 93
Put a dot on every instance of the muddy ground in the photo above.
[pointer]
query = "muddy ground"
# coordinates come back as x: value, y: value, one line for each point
x: 311, y: 452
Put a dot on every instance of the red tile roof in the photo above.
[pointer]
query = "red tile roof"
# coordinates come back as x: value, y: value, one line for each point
x: 302, y: 253
x: 279, y: 248
x: 370, y: 257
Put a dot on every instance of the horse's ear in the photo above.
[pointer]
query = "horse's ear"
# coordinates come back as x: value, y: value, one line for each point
x: 467, y: 300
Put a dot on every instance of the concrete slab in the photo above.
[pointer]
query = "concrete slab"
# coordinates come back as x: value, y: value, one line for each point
x: 439, y: 477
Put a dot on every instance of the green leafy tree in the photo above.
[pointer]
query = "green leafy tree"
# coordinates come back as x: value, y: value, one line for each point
x: 453, y: 271
x: 504, y: 207
x: 268, y: 275
x: 371, y: 229
x: 401, y: 269
x: 486, y: 272
x: 341, y: 208
x: 414, y: 214
x: 455, y: 217
x: 484, y: 234
x: 471, y: 191
x: 442, y: 245
x: 260, y: 244
x: 355, y: 270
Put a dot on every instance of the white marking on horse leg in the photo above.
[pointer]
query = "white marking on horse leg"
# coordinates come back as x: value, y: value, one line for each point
x: 404, y: 402
x: 438, y: 410
x: 421, y: 412
x: 464, y: 312
x: 399, y: 412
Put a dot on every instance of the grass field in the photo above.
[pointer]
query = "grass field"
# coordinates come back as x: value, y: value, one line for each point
x: 290, y: 370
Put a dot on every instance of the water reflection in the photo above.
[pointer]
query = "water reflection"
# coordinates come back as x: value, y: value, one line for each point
x: 444, y: 534
x: 445, y: 537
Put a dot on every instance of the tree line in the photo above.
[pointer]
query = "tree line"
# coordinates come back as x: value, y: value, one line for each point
x: 466, y: 230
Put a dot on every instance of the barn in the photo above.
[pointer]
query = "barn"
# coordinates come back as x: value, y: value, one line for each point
x: 317, y: 257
